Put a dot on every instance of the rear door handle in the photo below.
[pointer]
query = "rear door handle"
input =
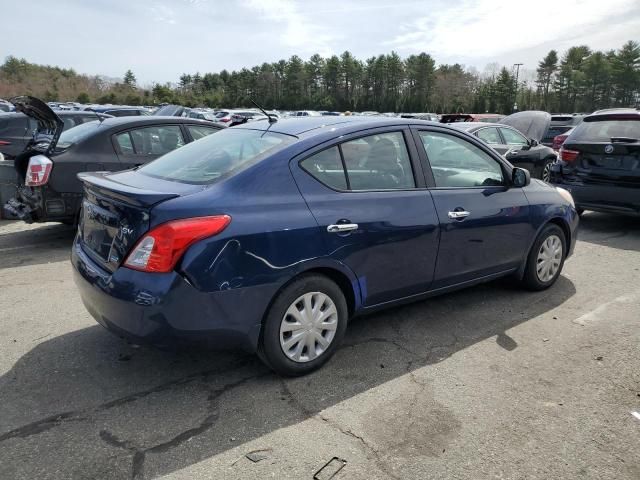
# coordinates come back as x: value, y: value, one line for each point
x: 342, y: 227
x: 459, y: 215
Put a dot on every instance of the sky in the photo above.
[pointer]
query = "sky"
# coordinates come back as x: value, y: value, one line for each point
x: 161, y: 39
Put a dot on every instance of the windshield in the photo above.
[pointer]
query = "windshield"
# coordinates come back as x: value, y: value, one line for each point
x: 605, y: 130
x: 216, y: 156
x: 76, y: 134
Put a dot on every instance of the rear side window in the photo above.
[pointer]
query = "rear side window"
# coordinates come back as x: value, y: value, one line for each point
x: 217, y: 156
x: 77, y: 134
x: 150, y: 140
x: 605, y: 130
x: 326, y: 167
x: 376, y: 162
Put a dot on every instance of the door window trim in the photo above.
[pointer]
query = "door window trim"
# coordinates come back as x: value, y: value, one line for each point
x: 116, y: 146
x: 414, y: 160
x: 484, y: 147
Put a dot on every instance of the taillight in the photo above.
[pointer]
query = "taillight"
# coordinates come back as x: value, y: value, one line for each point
x: 4, y: 142
x: 38, y: 171
x: 558, y: 140
x: 161, y: 248
x: 225, y: 119
x: 568, y: 155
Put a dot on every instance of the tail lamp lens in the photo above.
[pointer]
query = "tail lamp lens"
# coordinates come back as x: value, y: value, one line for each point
x: 38, y: 171
x: 161, y: 248
x: 568, y: 155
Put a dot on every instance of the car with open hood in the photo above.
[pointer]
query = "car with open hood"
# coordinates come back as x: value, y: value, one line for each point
x: 517, y: 137
x: 270, y: 236
x: 47, y: 185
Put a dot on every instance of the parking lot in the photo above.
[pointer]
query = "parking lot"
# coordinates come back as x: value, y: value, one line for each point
x: 490, y: 382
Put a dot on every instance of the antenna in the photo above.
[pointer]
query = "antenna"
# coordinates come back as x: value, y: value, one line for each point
x: 100, y: 118
x: 272, y: 118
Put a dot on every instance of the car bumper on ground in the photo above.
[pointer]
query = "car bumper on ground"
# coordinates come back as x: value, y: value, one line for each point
x: 165, y: 310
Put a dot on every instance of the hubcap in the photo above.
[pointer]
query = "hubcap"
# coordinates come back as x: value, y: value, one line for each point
x: 549, y: 258
x: 308, y: 327
x: 546, y: 172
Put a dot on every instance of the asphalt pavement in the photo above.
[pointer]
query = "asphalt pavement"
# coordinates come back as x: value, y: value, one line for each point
x: 491, y: 382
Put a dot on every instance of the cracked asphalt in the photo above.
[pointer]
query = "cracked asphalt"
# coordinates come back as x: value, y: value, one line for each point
x: 490, y: 382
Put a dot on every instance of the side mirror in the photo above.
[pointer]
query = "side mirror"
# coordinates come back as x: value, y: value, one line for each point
x: 520, y: 177
x: 533, y: 142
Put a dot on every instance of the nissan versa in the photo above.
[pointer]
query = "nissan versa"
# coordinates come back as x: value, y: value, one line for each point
x: 271, y: 235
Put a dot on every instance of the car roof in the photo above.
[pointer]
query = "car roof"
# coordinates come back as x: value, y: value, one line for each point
x: 151, y: 120
x: 311, y: 126
x: 474, y: 125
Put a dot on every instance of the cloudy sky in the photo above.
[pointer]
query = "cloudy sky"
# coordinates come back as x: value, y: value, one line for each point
x: 160, y: 39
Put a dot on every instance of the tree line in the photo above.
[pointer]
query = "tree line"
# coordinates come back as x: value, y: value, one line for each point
x: 579, y: 80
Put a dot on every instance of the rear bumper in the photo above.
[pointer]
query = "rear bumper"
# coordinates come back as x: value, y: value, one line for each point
x: 165, y: 309
x: 603, y: 198
x: 42, y: 204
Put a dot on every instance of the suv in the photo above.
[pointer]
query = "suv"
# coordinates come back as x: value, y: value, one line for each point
x: 600, y: 162
x: 561, y: 124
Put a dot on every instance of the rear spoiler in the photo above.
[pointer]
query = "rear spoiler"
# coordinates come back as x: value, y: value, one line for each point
x: 98, y: 183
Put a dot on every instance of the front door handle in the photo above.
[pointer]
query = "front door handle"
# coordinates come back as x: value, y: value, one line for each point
x: 342, y: 227
x: 459, y: 214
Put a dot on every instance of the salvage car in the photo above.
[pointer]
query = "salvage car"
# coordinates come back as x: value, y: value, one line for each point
x: 269, y: 236
x: 600, y: 162
x: 518, y: 143
x: 47, y: 186
x: 16, y: 129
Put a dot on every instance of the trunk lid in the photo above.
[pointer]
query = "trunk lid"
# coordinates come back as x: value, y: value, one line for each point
x: 116, y: 212
x: 532, y: 124
x: 50, y: 126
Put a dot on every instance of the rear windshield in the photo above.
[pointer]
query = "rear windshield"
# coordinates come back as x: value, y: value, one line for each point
x: 605, y: 130
x: 76, y: 134
x: 216, y: 156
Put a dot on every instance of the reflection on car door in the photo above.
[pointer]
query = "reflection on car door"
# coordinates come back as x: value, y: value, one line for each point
x: 484, y: 223
x: 375, y: 219
x: 142, y: 145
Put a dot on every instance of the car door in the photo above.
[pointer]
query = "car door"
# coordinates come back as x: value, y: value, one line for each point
x: 519, y: 152
x: 137, y: 146
x: 491, y: 137
x: 484, y: 223
x: 367, y: 194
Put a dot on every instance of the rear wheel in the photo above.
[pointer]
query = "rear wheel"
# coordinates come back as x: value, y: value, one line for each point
x: 545, y: 173
x: 304, y: 326
x: 546, y: 258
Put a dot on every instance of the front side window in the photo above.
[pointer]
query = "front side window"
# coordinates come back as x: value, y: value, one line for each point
x: 216, y: 156
x: 151, y: 140
x: 378, y: 162
x: 457, y: 163
x: 198, y: 131
x: 512, y: 137
x: 489, y: 135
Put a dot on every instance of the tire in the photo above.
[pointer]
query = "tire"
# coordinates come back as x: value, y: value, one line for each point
x: 280, y: 318
x: 535, y: 280
x: 545, y: 171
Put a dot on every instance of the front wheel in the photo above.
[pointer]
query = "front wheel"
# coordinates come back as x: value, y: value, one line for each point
x: 545, y: 173
x: 304, y: 326
x: 546, y: 259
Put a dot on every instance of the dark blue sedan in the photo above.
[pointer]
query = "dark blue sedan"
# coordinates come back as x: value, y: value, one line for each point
x: 270, y: 236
